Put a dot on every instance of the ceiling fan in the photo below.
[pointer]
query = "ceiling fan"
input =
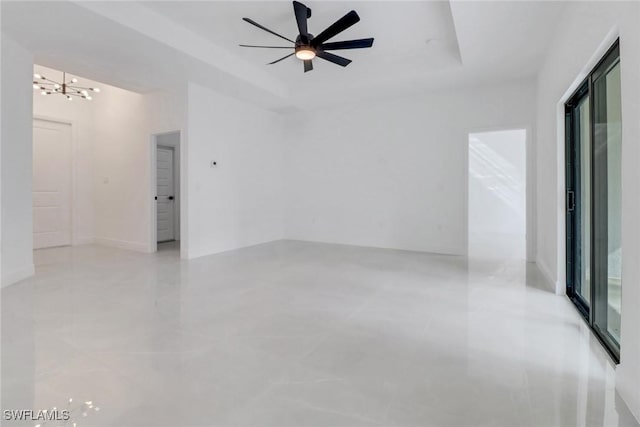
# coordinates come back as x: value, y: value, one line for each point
x: 307, y: 46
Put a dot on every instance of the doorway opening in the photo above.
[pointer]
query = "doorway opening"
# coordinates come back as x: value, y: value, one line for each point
x: 166, y: 173
x: 497, y: 194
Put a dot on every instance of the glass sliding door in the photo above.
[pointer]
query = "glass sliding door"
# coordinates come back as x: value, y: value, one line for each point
x: 607, y: 140
x: 579, y: 198
x: 593, y: 181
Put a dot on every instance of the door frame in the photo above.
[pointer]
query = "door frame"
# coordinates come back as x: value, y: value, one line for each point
x: 179, y: 164
x: 175, y: 159
x: 559, y: 279
x: 73, y: 196
x: 530, y: 185
x: 572, y: 149
x: 610, y: 57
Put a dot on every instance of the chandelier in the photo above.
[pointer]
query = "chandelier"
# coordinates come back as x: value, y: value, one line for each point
x: 66, y: 88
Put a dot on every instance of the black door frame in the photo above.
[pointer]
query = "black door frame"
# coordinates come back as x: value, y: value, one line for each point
x: 572, y: 183
x: 592, y: 310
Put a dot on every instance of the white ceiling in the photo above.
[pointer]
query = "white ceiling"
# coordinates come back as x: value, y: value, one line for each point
x: 419, y: 45
x: 411, y: 39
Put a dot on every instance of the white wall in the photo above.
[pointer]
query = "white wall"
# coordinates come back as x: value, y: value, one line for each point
x: 393, y: 174
x: 121, y: 170
x: 122, y: 159
x: 238, y: 203
x: 588, y: 28
x: 17, y: 71
x: 167, y: 112
x: 111, y: 156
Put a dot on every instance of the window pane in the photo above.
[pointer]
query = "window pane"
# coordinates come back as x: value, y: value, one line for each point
x: 607, y: 199
x: 583, y: 187
x: 614, y: 160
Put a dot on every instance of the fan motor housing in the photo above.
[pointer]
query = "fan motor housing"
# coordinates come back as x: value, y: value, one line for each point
x: 302, y: 41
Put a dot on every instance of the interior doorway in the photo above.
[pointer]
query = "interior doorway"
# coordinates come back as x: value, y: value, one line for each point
x: 52, y: 184
x: 497, y: 194
x: 166, y: 190
x: 165, y: 195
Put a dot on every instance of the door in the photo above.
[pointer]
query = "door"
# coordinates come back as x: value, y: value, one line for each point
x: 51, y: 184
x: 607, y: 185
x: 578, y: 181
x: 165, y: 194
x: 593, y: 179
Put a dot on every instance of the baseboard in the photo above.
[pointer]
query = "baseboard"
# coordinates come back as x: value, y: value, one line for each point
x: 14, y: 276
x: 192, y: 254
x: 546, y: 272
x: 443, y: 252
x: 122, y: 244
x: 83, y: 241
x: 627, y: 388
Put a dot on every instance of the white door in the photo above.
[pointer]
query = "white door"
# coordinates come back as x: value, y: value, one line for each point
x: 51, y: 184
x: 165, y: 194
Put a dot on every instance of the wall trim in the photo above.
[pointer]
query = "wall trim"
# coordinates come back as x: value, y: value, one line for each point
x: 83, y: 241
x: 17, y: 275
x: 207, y: 252
x: 549, y: 277
x: 122, y: 244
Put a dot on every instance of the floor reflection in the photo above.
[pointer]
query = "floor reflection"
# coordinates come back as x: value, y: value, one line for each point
x: 293, y: 334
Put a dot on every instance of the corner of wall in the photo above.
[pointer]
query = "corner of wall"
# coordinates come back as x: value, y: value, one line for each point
x: 550, y: 277
x: 15, y: 204
x: 15, y: 275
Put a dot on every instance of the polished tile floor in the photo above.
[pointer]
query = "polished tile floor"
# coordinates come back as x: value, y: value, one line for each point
x: 300, y: 334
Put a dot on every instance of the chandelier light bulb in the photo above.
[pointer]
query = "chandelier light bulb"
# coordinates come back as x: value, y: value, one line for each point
x: 64, y: 87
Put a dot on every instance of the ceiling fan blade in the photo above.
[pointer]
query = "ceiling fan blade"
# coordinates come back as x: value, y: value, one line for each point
x: 267, y: 47
x: 337, y: 27
x: 278, y: 60
x: 333, y: 58
x: 308, y: 65
x: 302, y: 12
x: 348, y: 44
x: 252, y: 22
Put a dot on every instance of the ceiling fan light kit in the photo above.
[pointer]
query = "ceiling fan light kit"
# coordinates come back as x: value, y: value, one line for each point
x: 307, y: 46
